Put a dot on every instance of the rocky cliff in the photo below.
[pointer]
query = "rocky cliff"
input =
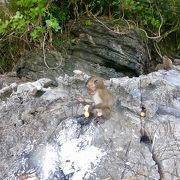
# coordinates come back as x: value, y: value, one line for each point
x: 43, y: 135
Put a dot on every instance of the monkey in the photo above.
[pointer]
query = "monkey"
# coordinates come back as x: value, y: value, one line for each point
x: 167, y: 64
x: 101, y: 96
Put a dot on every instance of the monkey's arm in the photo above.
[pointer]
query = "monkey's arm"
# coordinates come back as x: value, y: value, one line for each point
x: 84, y: 101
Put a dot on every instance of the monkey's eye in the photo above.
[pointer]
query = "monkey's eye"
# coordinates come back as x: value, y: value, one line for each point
x: 95, y: 81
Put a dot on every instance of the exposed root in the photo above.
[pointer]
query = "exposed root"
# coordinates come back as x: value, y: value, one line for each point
x: 44, y: 56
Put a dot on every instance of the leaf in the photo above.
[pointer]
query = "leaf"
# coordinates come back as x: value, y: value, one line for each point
x: 88, y: 22
x: 52, y: 23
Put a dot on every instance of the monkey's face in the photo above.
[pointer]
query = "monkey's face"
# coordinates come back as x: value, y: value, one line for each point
x: 93, y: 84
x: 91, y: 87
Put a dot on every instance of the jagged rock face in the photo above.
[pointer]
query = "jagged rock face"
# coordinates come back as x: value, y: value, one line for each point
x: 124, y: 51
x: 42, y: 135
x: 96, y: 51
x: 33, y: 66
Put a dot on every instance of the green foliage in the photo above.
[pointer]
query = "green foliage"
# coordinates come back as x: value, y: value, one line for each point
x: 36, y: 17
x: 148, y: 13
x: 151, y: 15
x: 53, y: 24
x: 26, y: 22
x: 88, y: 22
x: 31, y: 20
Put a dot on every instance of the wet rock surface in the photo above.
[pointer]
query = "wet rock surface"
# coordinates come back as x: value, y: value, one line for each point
x: 42, y: 137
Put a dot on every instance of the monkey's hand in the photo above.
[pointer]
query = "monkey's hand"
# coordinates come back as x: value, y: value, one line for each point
x: 83, y: 101
x: 80, y: 99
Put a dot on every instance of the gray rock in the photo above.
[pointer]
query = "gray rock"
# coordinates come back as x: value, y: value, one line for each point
x: 31, y: 88
x: 47, y: 136
x: 123, y: 51
x: 7, y: 90
x: 96, y: 51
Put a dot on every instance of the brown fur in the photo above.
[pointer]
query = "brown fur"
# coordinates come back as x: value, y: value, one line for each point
x: 102, y: 97
x: 167, y: 64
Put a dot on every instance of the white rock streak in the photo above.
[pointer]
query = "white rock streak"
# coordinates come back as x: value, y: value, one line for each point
x: 50, y: 160
x: 76, y: 156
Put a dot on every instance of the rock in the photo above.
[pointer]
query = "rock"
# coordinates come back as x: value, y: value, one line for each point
x: 7, y: 90
x: 31, y: 88
x: 96, y: 51
x: 124, y: 51
x: 52, y: 95
x: 177, y: 62
x: 43, y: 136
x: 8, y: 79
x: 28, y: 89
x: 33, y: 67
x: 44, y: 82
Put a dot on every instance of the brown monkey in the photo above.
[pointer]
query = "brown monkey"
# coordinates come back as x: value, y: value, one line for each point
x: 167, y: 64
x: 102, y: 97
